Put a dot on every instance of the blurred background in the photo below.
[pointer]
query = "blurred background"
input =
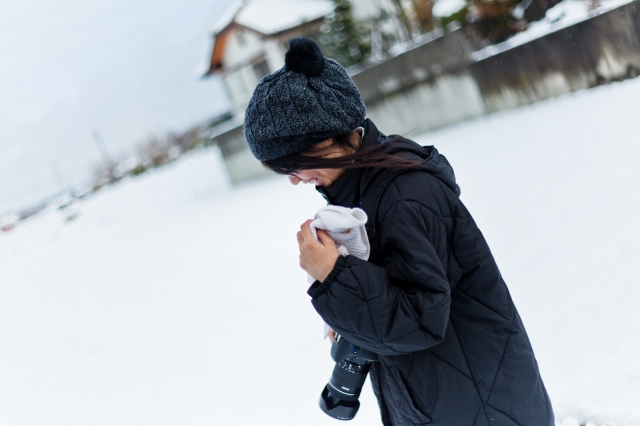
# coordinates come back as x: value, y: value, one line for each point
x: 148, y: 263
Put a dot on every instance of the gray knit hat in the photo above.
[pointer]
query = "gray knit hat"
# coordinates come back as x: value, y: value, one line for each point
x: 308, y: 100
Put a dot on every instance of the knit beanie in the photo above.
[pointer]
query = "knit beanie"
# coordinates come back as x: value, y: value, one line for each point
x: 308, y: 100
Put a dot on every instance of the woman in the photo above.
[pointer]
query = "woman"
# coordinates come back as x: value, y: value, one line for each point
x: 430, y: 300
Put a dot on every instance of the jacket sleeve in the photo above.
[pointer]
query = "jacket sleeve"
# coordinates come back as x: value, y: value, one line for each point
x: 401, y: 306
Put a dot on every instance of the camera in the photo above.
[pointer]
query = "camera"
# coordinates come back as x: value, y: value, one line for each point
x: 339, y: 398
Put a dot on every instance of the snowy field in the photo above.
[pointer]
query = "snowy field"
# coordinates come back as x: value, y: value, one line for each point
x: 173, y: 299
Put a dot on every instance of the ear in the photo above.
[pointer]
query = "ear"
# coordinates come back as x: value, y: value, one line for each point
x: 327, y: 143
x: 319, y: 148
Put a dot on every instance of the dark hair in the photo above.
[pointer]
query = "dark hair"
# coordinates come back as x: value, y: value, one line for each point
x: 374, y: 156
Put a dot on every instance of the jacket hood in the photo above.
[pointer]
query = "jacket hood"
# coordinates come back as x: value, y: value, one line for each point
x: 435, y: 163
x: 349, y: 188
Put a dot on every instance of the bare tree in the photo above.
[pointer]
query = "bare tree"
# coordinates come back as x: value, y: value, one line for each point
x: 423, y: 10
x: 404, y: 20
x: 493, y: 9
x: 155, y: 151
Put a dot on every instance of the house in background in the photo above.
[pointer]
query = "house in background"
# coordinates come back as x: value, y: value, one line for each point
x: 251, y: 39
x: 436, y: 79
x: 249, y: 42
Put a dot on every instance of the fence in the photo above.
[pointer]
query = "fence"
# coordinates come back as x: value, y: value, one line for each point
x: 440, y: 83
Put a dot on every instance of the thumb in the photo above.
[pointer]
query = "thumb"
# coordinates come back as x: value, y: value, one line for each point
x: 325, y: 239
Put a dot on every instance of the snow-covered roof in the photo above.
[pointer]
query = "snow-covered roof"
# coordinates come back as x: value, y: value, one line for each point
x: 273, y: 16
x: 562, y: 15
x: 226, y: 18
x: 444, y: 8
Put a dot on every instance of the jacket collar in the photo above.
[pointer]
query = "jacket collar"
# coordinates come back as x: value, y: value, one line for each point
x: 346, y: 190
x: 349, y: 189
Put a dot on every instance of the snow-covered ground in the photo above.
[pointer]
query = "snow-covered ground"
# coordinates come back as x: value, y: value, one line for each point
x: 173, y: 299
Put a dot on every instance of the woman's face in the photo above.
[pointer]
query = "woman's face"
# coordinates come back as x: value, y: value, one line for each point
x: 321, y: 177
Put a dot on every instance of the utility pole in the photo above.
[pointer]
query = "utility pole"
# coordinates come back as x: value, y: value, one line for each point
x: 106, y: 158
x: 97, y: 137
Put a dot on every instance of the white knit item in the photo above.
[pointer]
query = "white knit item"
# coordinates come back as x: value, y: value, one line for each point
x: 346, y: 227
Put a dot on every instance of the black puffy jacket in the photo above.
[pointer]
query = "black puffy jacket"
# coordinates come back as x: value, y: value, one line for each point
x: 430, y: 301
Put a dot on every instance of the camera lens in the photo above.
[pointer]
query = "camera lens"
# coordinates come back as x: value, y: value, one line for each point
x: 339, y: 399
x: 348, y: 378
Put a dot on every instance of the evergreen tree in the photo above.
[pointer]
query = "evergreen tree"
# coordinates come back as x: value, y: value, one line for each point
x: 345, y: 39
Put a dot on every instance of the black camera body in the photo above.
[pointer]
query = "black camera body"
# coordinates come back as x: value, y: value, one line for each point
x: 339, y: 398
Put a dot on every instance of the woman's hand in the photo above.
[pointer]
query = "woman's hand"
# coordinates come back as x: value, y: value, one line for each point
x: 316, y: 257
x: 332, y: 335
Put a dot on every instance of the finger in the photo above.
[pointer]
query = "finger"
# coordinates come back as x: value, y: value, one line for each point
x: 306, y: 231
x: 299, y: 237
x: 325, y: 238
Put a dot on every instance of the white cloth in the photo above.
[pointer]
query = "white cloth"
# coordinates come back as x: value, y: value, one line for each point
x: 346, y: 227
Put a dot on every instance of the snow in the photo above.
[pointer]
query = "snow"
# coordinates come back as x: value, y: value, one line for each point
x: 272, y: 16
x: 399, y: 48
x: 9, y: 220
x: 444, y: 8
x: 562, y: 15
x: 176, y: 299
x: 228, y: 15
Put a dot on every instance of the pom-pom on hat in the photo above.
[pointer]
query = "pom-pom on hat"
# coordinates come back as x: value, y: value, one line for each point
x: 304, y: 56
x: 308, y: 100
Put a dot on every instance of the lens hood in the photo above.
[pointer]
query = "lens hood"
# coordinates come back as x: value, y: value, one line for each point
x: 334, y: 406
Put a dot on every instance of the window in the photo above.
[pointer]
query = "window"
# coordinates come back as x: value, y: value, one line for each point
x: 241, y: 40
x: 237, y: 86
x: 261, y: 69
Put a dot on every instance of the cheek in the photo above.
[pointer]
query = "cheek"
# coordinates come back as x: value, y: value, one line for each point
x: 306, y: 174
x: 334, y: 174
x: 331, y: 173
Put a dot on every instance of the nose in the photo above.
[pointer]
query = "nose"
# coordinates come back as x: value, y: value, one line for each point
x: 294, y: 180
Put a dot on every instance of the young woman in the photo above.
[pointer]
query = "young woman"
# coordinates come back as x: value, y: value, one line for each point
x: 430, y: 300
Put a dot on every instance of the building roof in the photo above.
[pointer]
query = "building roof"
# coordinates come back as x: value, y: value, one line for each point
x: 227, y: 17
x: 266, y: 17
x: 272, y: 16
